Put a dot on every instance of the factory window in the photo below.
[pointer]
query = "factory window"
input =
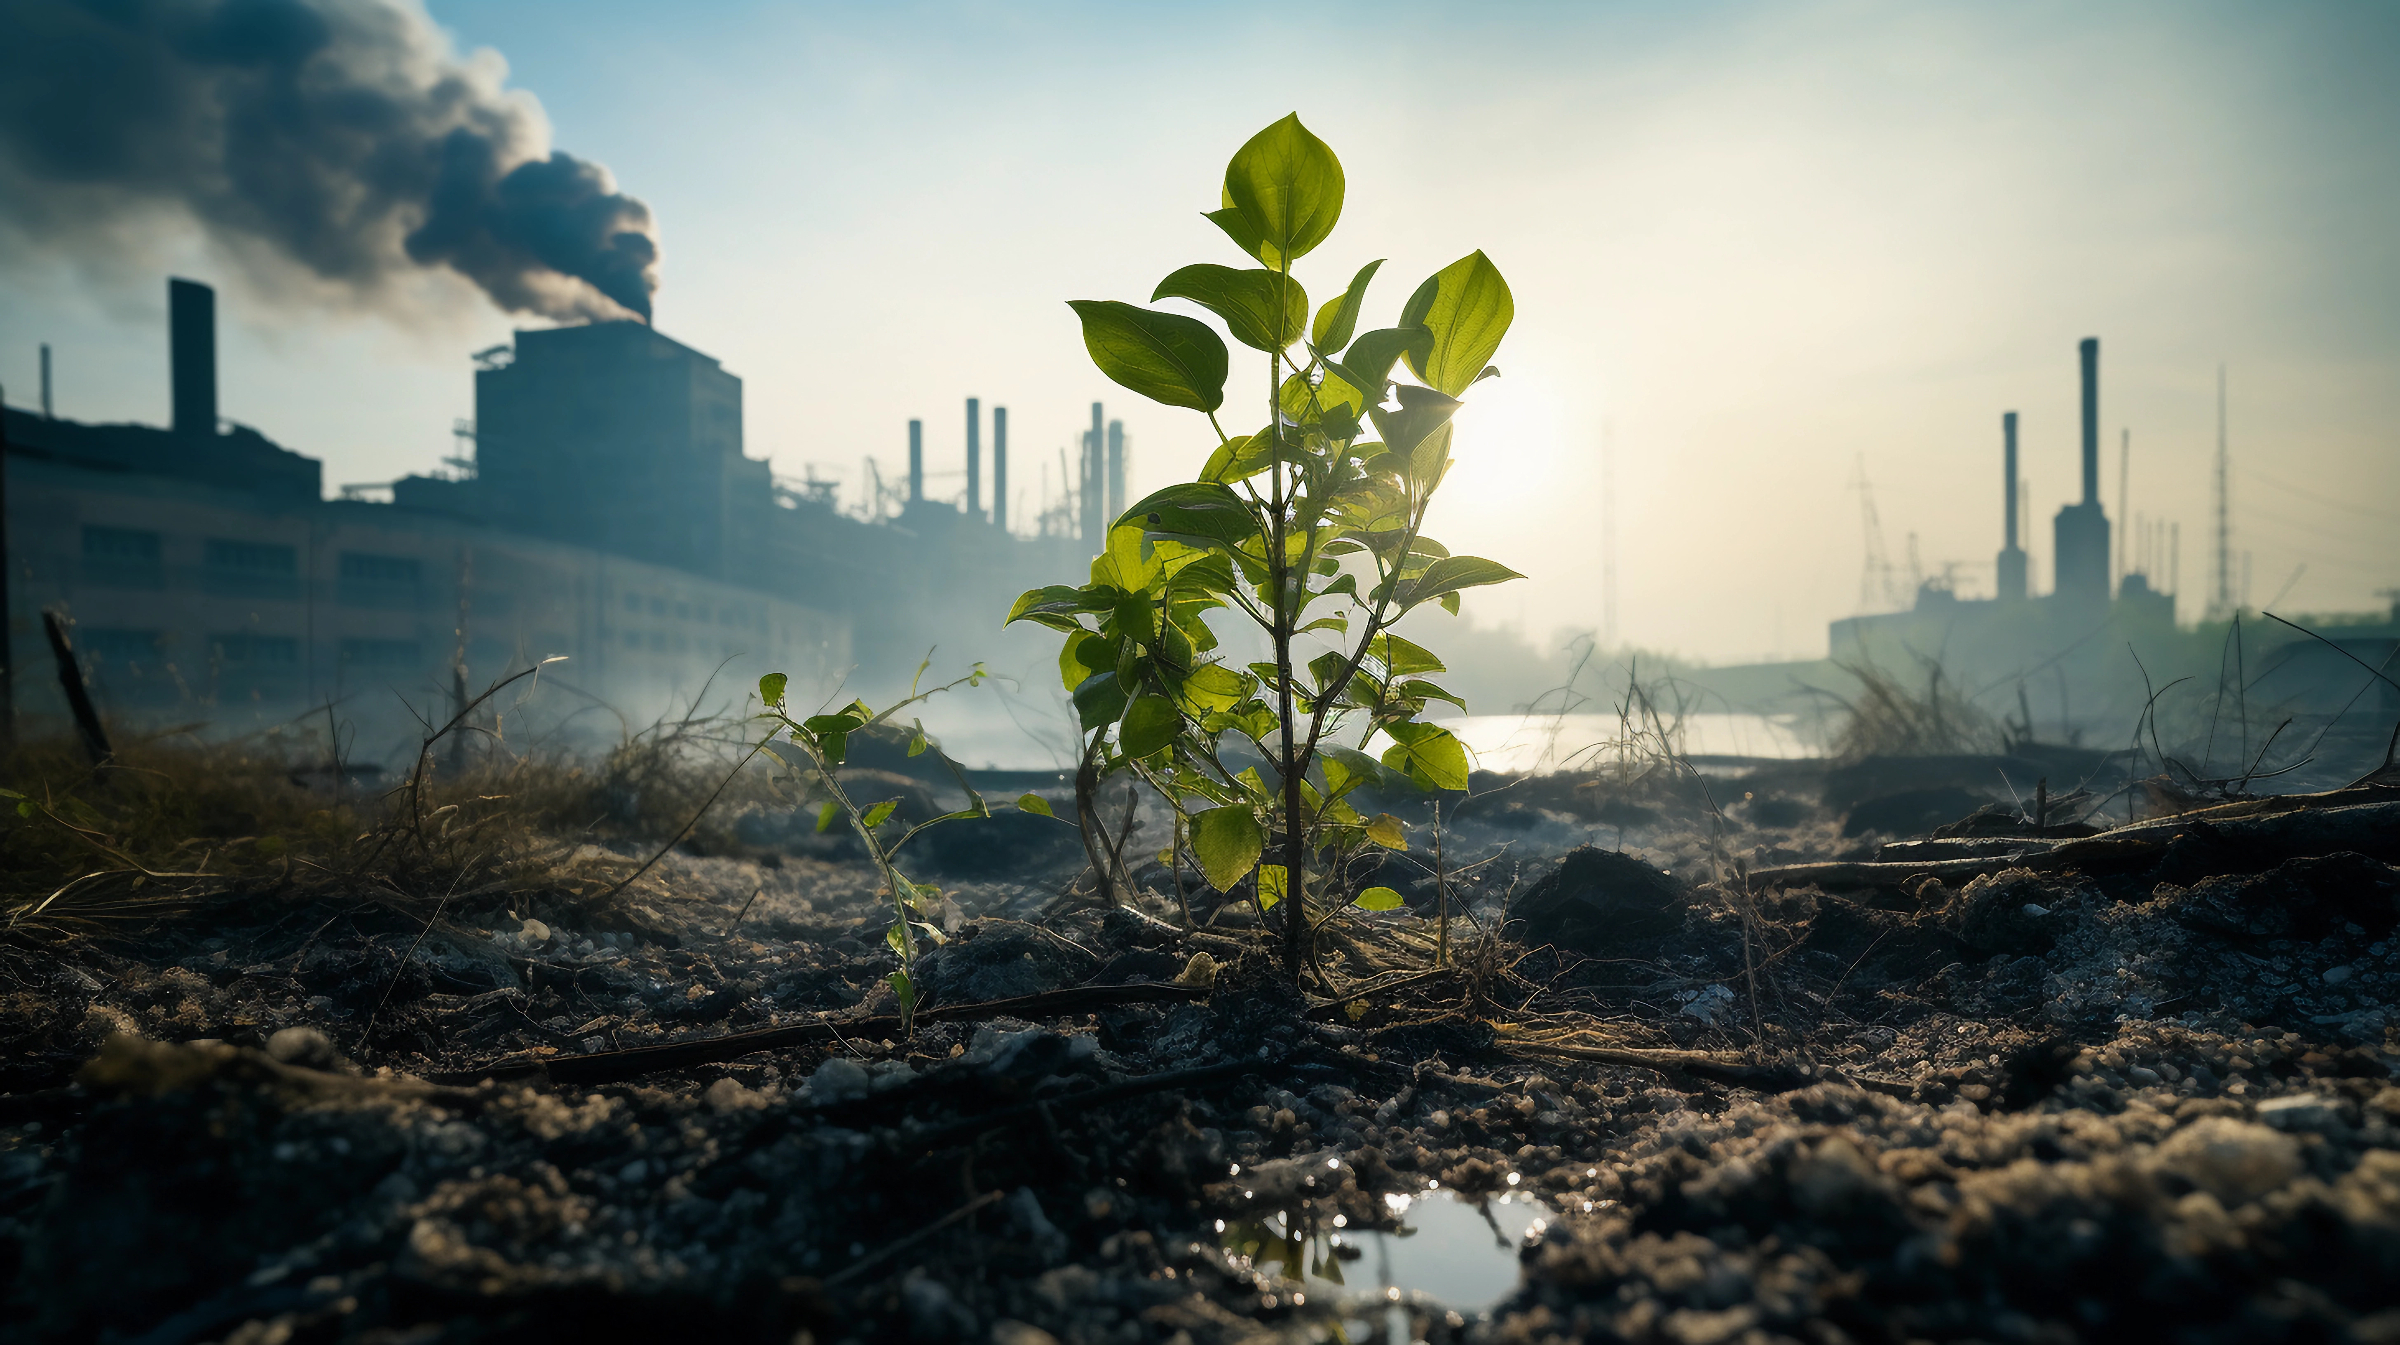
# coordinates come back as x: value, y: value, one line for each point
x: 381, y: 654
x: 251, y: 569
x: 103, y: 645
x: 633, y: 639
x: 129, y: 666
x: 658, y: 607
x: 633, y: 602
x: 683, y: 611
x: 122, y: 558
x: 390, y: 582
x: 658, y: 642
x: 263, y: 653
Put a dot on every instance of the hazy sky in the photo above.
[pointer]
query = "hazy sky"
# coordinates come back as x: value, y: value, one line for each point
x: 1759, y: 243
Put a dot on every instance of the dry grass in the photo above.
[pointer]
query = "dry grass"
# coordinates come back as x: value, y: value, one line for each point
x: 174, y: 824
x: 1890, y: 718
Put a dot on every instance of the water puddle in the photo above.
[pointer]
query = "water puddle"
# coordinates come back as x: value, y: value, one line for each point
x: 1452, y: 1254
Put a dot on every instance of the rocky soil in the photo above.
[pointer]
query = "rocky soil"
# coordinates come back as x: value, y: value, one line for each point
x: 2047, y: 1103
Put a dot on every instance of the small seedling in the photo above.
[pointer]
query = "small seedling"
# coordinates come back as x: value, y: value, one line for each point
x: 1312, y: 527
x: 823, y: 741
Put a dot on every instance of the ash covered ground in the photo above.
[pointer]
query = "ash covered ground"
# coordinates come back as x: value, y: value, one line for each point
x: 2056, y: 1087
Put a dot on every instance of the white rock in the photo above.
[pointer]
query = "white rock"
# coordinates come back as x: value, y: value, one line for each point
x: 728, y: 1095
x: 838, y: 1080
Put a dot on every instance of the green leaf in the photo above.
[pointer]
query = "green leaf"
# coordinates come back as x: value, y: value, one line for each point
x: 1402, y: 658
x: 1339, y: 317
x: 1237, y: 227
x: 897, y: 937
x: 1452, y: 573
x: 1467, y: 307
x: 1197, y: 513
x: 1099, y: 700
x: 1271, y: 886
x: 1166, y: 357
x: 1239, y: 458
x: 1387, y: 831
x: 770, y: 688
x: 917, y: 743
x: 833, y: 747
x: 1367, y: 364
x: 1421, y: 412
x: 1226, y: 843
x: 1428, y: 754
x: 827, y: 813
x: 905, y: 989
x: 1287, y: 186
x: 1427, y: 691
x: 841, y: 721
x: 1150, y: 724
x: 1346, y: 768
x: 1246, y: 299
x: 1378, y: 899
x: 877, y: 815
x: 1213, y: 686
x: 1034, y: 803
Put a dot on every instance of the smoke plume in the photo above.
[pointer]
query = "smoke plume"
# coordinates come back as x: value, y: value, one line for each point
x: 344, y: 135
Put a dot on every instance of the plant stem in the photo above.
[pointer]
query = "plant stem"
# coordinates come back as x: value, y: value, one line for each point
x: 1295, y: 839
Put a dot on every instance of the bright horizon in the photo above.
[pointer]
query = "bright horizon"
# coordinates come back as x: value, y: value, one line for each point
x: 1758, y: 244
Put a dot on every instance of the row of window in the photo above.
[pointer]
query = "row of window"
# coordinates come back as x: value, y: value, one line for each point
x: 135, y: 558
x: 112, y: 648
x: 736, y: 616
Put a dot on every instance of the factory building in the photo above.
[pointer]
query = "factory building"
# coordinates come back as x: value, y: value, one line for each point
x: 609, y: 514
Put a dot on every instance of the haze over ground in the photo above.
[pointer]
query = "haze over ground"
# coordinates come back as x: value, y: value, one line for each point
x: 1758, y: 242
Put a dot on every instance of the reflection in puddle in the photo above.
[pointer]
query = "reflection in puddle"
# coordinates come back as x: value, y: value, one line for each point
x: 1450, y: 1253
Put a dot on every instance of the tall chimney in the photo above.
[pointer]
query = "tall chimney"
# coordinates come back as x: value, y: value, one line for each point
x: 1116, y: 469
x: 2012, y: 556
x: 974, y: 456
x: 46, y: 411
x: 2008, y: 473
x: 1092, y: 497
x: 2080, y: 556
x: 1000, y: 468
x: 916, y: 461
x: 2091, y: 420
x: 192, y: 356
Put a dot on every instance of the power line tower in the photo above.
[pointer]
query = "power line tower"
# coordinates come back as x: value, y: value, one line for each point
x: 2220, y: 602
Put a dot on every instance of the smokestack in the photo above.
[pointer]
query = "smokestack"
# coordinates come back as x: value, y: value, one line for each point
x: 192, y: 357
x: 1091, y: 498
x: 974, y: 456
x: 2008, y: 434
x: 1116, y: 469
x: 2081, y: 556
x: 2091, y: 420
x: 2012, y: 556
x: 1000, y: 468
x: 47, y: 414
x: 916, y: 461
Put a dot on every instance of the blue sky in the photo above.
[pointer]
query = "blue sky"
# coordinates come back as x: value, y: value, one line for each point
x: 1757, y: 242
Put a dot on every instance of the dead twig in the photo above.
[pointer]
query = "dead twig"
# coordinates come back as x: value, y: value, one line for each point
x: 635, y: 1061
x: 891, y: 1249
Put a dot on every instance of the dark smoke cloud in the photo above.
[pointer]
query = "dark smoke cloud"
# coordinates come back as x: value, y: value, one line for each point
x: 344, y: 135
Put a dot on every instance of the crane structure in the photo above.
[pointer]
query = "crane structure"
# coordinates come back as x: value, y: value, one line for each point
x: 1879, y: 586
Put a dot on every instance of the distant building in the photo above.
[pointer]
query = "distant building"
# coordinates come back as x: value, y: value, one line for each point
x: 610, y: 515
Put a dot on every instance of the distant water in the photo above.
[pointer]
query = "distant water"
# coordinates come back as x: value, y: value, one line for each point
x: 1540, y: 743
x: 1512, y: 743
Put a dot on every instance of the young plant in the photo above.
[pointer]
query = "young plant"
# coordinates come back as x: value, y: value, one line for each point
x: 1311, y: 527
x: 823, y: 741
